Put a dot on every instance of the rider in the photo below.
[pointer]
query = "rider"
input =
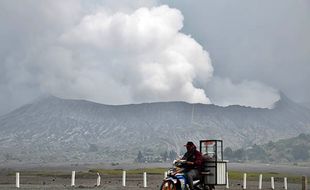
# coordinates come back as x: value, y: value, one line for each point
x: 193, y: 163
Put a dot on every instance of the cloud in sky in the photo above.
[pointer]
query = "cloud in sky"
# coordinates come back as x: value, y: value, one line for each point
x: 110, y: 53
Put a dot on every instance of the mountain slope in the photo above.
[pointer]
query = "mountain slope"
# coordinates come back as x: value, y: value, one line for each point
x: 284, y: 150
x: 53, y: 129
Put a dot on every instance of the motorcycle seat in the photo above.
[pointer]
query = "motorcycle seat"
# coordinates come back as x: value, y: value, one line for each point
x: 205, y: 173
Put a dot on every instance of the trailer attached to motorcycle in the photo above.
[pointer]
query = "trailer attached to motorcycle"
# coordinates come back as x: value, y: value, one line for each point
x: 213, y: 171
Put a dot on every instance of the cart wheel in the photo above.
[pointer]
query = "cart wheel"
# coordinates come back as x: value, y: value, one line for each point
x: 168, y: 185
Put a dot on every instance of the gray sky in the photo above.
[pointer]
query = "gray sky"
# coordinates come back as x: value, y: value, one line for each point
x: 256, y: 40
x: 222, y: 52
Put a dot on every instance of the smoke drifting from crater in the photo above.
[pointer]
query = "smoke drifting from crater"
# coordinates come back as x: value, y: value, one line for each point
x: 124, y: 58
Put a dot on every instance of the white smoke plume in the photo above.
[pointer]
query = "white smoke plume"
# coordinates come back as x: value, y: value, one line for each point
x: 223, y: 92
x: 124, y: 58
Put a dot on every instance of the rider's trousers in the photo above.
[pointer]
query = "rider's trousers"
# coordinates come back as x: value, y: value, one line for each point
x: 190, y: 176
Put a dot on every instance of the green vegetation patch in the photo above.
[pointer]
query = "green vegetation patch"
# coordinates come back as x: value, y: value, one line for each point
x: 91, y: 173
x: 60, y: 174
x: 154, y: 171
x: 254, y: 176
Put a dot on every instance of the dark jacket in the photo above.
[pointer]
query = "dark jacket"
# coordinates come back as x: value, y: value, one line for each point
x: 193, y: 156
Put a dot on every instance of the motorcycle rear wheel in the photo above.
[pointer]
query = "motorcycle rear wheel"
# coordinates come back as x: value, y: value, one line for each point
x: 168, y: 185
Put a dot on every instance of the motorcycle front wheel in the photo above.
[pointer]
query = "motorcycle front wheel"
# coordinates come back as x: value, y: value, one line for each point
x: 168, y: 185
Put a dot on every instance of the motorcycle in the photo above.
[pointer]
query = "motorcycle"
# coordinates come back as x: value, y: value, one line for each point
x: 213, y: 171
x: 176, y: 179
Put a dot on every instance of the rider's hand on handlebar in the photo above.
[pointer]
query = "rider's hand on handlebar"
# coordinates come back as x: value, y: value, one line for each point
x: 190, y: 163
x: 185, y: 162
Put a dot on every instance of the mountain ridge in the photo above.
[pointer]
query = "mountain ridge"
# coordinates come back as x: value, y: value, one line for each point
x: 55, y: 129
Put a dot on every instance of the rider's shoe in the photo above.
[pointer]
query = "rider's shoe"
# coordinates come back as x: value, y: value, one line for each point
x: 198, y: 187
